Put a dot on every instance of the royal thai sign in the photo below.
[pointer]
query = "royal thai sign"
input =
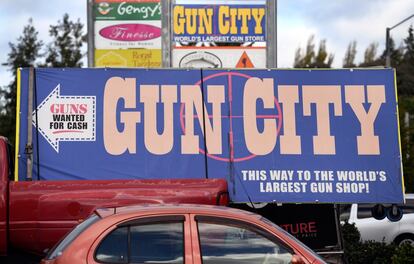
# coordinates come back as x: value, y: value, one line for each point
x: 275, y: 135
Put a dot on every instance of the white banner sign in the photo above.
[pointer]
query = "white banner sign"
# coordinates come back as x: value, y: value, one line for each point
x: 219, y: 57
x: 127, y: 34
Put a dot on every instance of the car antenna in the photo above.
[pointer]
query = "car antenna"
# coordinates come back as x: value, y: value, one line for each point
x: 247, y: 193
x: 233, y: 173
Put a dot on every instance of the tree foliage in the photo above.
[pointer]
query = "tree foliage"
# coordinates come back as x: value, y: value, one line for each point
x: 349, y: 59
x: 23, y: 53
x: 406, y: 66
x: 311, y: 59
x: 65, y: 49
x: 406, y: 115
x: 361, y: 252
x: 405, y: 84
x: 370, y: 56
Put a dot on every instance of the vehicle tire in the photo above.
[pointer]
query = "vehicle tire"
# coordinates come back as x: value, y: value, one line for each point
x: 404, y: 238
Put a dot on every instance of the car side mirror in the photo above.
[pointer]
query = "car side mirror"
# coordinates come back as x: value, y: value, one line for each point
x: 296, y: 259
x: 45, y: 251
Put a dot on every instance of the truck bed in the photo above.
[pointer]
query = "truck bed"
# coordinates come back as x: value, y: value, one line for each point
x: 41, y: 212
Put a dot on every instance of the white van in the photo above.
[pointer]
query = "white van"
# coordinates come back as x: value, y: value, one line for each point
x: 383, y: 230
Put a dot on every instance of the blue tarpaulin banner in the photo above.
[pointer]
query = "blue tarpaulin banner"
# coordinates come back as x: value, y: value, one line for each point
x: 275, y: 135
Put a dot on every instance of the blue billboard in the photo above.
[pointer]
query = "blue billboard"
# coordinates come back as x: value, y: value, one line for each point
x: 275, y: 135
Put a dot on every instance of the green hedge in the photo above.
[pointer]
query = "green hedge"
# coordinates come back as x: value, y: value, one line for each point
x: 357, y: 252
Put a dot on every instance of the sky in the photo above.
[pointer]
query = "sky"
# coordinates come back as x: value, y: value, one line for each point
x: 337, y: 21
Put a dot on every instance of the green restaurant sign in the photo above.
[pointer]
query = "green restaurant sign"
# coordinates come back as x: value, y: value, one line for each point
x: 127, y: 10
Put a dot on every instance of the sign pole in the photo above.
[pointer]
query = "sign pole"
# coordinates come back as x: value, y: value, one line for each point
x: 91, y: 30
x: 271, y: 33
x: 166, y: 33
x: 29, y: 144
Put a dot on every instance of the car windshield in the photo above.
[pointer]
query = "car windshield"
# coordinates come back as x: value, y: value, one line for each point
x: 292, y: 237
x: 59, y: 247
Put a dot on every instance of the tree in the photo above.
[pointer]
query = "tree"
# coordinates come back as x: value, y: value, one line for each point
x: 406, y: 67
x: 396, y: 54
x: 310, y: 59
x: 405, y: 79
x: 371, y: 59
x: 406, y: 116
x: 22, y: 54
x: 409, y: 45
x: 370, y: 56
x: 323, y: 59
x: 305, y: 60
x: 349, y: 59
x: 65, y: 49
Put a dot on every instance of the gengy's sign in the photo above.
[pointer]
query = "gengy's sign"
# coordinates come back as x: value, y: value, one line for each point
x: 275, y: 135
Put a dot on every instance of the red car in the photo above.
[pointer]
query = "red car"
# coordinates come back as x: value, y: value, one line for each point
x: 191, y: 234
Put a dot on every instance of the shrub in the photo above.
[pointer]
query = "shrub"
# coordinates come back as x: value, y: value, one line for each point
x: 357, y: 252
x: 403, y: 254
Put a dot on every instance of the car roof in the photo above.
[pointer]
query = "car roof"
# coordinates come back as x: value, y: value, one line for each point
x: 409, y: 195
x: 177, y: 208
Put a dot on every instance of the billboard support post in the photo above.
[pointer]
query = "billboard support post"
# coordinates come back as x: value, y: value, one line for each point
x: 271, y: 33
x: 166, y: 33
x: 29, y: 144
x: 91, y: 41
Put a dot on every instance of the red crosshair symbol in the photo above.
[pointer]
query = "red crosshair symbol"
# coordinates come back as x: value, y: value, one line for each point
x: 232, y: 158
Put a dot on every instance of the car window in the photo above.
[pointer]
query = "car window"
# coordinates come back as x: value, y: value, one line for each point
x: 10, y: 155
x: 114, y: 248
x: 364, y: 210
x: 297, y: 241
x: 158, y: 242
x: 408, y: 208
x: 226, y: 243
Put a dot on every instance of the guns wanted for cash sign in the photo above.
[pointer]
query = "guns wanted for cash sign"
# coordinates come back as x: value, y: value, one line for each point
x: 275, y: 135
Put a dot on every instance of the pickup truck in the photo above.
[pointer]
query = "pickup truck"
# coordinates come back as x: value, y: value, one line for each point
x: 34, y: 215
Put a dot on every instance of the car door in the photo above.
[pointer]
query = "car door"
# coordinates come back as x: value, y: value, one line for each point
x: 155, y: 239
x: 219, y: 240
